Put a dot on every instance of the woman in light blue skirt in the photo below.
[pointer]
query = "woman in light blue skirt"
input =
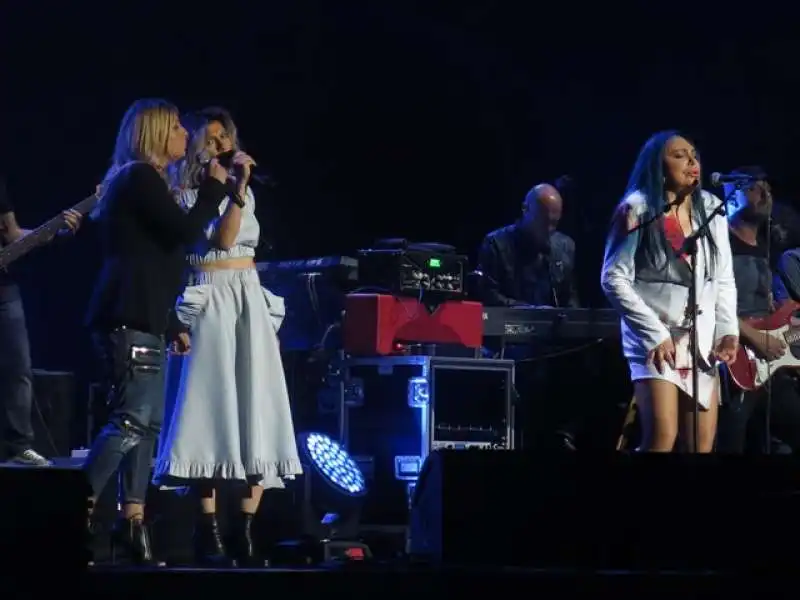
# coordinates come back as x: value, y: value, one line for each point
x: 227, y: 410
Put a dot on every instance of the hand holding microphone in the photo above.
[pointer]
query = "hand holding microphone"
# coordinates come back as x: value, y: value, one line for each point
x: 217, y: 171
x: 215, y: 166
x: 233, y: 168
x: 242, y: 165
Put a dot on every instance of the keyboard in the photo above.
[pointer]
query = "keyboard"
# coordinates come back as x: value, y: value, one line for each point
x: 526, y: 324
x: 340, y: 267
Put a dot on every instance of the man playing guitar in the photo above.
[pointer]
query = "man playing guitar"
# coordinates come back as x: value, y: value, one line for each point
x: 749, y: 213
x: 16, y: 391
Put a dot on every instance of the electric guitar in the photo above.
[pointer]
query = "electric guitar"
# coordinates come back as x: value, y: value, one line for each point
x: 42, y: 234
x: 750, y: 372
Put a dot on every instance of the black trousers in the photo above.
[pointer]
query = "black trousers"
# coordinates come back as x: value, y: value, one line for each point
x: 747, y: 420
x: 570, y: 391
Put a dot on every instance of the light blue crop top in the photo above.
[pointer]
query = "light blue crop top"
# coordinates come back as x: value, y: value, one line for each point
x: 207, y: 250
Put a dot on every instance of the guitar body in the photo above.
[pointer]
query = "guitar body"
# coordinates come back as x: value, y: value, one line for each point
x: 750, y: 372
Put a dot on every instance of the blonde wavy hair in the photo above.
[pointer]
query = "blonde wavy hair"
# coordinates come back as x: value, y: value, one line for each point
x: 189, y: 171
x: 143, y: 136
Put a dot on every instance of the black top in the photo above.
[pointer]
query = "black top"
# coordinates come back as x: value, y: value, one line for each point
x: 753, y: 277
x: 518, y: 271
x: 144, y: 235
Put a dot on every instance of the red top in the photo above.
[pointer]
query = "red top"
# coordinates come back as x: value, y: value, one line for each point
x: 674, y: 233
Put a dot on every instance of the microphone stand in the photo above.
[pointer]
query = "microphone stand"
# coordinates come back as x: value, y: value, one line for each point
x: 689, y: 248
x: 647, y: 222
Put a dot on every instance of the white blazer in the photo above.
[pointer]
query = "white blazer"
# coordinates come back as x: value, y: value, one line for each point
x: 648, y: 309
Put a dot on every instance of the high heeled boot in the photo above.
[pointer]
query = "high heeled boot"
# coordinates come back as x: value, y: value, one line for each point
x: 209, y: 548
x: 245, y: 550
x: 133, y: 536
x: 91, y: 534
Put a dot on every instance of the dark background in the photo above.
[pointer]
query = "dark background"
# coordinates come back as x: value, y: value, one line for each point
x: 425, y: 120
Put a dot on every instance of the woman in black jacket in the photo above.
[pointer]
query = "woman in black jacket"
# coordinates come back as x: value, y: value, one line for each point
x: 144, y: 235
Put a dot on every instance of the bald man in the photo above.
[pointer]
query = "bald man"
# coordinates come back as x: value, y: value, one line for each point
x: 530, y: 262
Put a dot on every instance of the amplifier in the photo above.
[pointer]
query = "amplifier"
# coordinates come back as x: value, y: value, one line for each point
x: 413, y: 272
x: 373, y: 323
x: 53, y: 411
x: 399, y: 408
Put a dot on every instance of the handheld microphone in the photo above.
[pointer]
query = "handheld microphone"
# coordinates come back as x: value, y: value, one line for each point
x: 226, y: 160
x: 718, y: 179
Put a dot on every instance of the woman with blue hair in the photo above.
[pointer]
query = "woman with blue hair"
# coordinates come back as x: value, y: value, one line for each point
x: 647, y: 278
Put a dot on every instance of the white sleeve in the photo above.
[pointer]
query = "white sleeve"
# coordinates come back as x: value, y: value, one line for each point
x: 726, y: 315
x: 619, y: 271
x: 187, y: 198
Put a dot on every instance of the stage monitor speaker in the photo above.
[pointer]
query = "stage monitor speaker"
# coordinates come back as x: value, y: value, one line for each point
x: 606, y: 512
x: 43, y: 513
x: 53, y: 410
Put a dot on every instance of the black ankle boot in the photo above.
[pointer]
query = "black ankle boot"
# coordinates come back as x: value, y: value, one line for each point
x: 208, y: 547
x: 246, y: 555
x: 91, y: 534
x: 132, y: 536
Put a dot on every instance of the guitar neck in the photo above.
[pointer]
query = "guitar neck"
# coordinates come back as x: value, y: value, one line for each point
x: 41, y: 234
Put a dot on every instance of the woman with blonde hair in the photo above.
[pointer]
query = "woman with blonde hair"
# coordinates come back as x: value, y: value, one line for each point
x: 228, y: 415
x: 144, y: 234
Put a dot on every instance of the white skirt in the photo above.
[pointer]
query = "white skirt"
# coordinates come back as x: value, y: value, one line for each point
x: 681, y: 375
x: 227, y: 413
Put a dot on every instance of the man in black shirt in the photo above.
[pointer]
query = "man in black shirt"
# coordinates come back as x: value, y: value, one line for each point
x: 531, y: 264
x: 749, y: 211
x: 16, y: 377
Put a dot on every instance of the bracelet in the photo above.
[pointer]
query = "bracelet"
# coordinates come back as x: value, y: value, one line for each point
x: 237, y: 200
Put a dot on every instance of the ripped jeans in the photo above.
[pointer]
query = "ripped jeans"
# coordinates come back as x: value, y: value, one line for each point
x: 133, y: 364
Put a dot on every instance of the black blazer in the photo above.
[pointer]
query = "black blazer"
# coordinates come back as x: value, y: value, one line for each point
x: 143, y: 236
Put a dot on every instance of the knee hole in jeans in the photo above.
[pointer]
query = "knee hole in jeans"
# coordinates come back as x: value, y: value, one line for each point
x: 132, y: 434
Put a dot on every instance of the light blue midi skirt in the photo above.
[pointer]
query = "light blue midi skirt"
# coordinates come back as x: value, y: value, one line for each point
x: 227, y: 408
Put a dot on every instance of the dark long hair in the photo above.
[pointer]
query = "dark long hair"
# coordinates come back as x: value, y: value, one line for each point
x: 647, y: 178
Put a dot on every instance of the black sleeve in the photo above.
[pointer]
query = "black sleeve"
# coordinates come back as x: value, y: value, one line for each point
x: 5, y: 202
x: 154, y: 203
x: 572, y: 290
x: 489, y: 264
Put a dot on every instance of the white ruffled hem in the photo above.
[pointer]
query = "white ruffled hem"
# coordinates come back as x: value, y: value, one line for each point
x: 174, y: 475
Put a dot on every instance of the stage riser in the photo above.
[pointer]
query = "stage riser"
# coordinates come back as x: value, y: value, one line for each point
x: 369, y: 582
x: 43, y: 518
x: 623, y: 513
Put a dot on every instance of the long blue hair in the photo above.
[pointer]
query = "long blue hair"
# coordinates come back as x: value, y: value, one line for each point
x: 647, y: 177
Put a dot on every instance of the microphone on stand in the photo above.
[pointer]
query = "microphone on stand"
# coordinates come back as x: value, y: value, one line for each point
x: 718, y: 179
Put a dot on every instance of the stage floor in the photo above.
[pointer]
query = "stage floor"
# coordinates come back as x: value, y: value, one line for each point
x: 121, y: 583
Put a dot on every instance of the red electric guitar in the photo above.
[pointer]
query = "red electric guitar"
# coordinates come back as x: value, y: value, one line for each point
x: 750, y: 372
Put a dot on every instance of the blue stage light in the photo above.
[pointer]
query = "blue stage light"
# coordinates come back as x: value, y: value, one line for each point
x: 333, y: 463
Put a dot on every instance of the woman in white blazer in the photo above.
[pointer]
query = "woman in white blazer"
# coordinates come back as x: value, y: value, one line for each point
x: 647, y: 279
